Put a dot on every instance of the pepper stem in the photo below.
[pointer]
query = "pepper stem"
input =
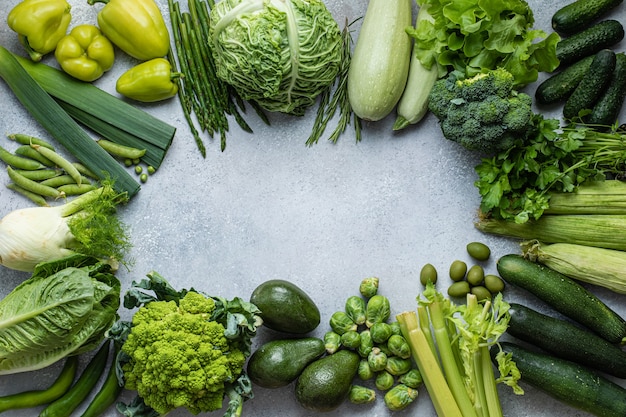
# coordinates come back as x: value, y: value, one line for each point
x: 34, y: 55
x: 92, y: 2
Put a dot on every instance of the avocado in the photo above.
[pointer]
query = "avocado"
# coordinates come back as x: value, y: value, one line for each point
x: 279, y: 362
x: 326, y: 382
x: 285, y: 307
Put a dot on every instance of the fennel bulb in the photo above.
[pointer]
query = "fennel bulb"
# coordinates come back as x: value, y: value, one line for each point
x: 279, y: 53
x: 87, y: 225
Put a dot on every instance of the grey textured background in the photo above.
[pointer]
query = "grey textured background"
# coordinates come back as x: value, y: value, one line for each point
x: 323, y: 217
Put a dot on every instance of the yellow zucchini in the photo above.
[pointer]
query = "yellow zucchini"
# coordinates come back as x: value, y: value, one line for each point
x: 380, y: 63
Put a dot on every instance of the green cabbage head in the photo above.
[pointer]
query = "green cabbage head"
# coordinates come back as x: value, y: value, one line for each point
x: 279, y: 53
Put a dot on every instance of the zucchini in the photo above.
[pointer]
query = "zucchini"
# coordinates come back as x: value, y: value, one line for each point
x: 380, y: 63
x: 561, y: 85
x: 413, y: 104
x: 593, y: 84
x: 608, y: 106
x: 589, y: 41
x: 566, y: 381
x: 564, y: 295
x: 580, y: 14
x: 566, y: 340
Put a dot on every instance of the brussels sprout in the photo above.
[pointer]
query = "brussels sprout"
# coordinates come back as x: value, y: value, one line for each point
x: 399, y: 397
x: 355, y: 309
x: 366, y: 344
x: 351, y: 339
x: 369, y: 287
x: 377, y: 359
x: 380, y: 332
x: 365, y: 370
x: 398, y: 346
x: 341, y: 323
x: 332, y: 342
x: 384, y: 380
x: 361, y: 395
x: 412, y: 379
x: 377, y: 310
x: 384, y: 348
x: 398, y: 366
x: 395, y: 328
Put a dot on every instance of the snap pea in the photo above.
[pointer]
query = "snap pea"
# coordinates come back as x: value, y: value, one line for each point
x: 35, y: 198
x: 28, y: 140
x: 67, y: 403
x: 36, y: 398
x: 76, y: 189
x: 64, y: 179
x: 28, y: 152
x: 19, y: 162
x: 84, y: 170
x: 59, y: 161
x: 33, y: 186
x: 121, y: 151
x: 108, y: 393
x: 39, y: 174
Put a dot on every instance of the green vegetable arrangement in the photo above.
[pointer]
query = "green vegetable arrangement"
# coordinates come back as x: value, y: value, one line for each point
x: 475, y: 35
x: 279, y: 54
x: 63, y: 309
x: 184, y: 349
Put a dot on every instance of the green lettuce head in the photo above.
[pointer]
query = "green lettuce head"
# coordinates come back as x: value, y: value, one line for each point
x: 279, y: 53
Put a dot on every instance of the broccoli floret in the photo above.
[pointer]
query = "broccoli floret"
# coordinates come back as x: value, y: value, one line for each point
x: 484, y: 112
x: 179, y: 357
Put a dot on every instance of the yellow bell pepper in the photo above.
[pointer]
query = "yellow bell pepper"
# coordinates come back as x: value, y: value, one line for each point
x: 149, y: 81
x: 85, y: 53
x: 40, y: 24
x: 137, y: 27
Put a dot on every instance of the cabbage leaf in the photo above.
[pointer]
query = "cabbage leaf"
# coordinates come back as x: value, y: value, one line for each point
x: 280, y: 54
x: 63, y: 309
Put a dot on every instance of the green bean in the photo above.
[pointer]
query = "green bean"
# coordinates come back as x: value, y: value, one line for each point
x: 35, y: 198
x: 28, y: 152
x: 120, y: 151
x: 60, y: 161
x: 64, y: 179
x: 33, y: 186
x: 108, y: 393
x: 19, y: 162
x: 39, y: 174
x: 76, y: 189
x: 28, y: 140
x: 36, y: 398
x: 68, y: 402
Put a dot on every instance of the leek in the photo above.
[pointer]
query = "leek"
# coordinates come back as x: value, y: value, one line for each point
x: 597, y: 266
x: 61, y: 126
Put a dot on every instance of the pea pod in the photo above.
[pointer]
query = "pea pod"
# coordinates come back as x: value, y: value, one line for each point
x: 29, y: 399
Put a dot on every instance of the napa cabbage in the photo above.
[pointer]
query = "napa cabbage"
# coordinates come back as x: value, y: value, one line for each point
x: 280, y: 54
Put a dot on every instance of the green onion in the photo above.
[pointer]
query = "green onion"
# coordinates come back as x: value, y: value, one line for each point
x: 60, y: 125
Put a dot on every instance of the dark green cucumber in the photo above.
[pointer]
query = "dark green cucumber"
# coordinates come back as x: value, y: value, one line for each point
x: 564, y: 295
x: 566, y: 340
x: 592, y: 86
x: 568, y: 382
x: 609, y: 105
x: 589, y: 41
x: 561, y: 85
x: 580, y: 14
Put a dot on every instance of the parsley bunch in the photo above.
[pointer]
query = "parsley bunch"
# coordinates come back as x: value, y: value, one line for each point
x: 515, y: 184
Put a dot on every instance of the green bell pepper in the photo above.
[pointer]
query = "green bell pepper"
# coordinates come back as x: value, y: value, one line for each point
x: 149, y: 81
x: 85, y: 53
x: 136, y: 27
x: 40, y: 24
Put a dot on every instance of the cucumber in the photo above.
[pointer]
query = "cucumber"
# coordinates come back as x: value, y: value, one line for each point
x: 561, y: 85
x: 566, y: 340
x: 568, y: 382
x: 564, y: 295
x: 589, y: 41
x: 593, y: 84
x: 608, y: 106
x: 380, y: 63
x: 580, y: 14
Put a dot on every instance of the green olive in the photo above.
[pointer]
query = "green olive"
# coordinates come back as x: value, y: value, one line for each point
x: 478, y: 251
x: 459, y: 289
x: 494, y: 283
x: 475, y: 275
x: 481, y: 292
x: 458, y: 269
x: 428, y: 274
